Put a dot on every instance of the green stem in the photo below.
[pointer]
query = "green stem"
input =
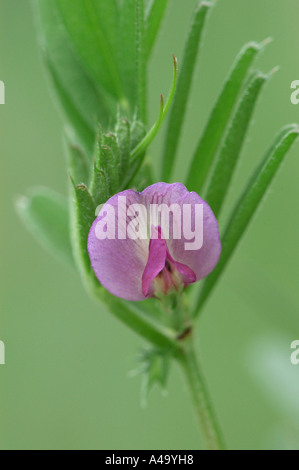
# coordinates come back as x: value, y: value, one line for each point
x: 204, y: 411
x: 133, y: 318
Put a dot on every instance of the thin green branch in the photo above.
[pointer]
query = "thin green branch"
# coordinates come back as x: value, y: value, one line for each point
x: 134, y: 319
x: 205, y: 414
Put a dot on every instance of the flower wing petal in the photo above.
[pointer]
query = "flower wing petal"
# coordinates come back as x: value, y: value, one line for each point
x: 118, y: 263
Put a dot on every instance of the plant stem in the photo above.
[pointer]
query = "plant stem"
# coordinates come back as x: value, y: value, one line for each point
x: 132, y: 317
x: 204, y: 411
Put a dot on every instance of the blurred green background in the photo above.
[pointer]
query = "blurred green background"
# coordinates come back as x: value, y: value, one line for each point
x: 65, y: 383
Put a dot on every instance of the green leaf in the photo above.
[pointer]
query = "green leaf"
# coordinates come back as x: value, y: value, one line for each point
x: 83, y: 101
x: 85, y: 132
x: 45, y: 214
x: 98, y: 187
x: 77, y: 161
x: 92, y: 27
x: 137, y: 133
x: 108, y: 165
x: 123, y: 140
x: 231, y: 147
x: 179, y: 106
x: 154, y: 369
x: 141, y: 60
x: 216, y: 126
x: 144, y: 177
x: 109, y: 141
x: 154, y: 16
x: 158, y: 368
x: 248, y: 205
x: 127, y: 55
x: 138, y: 153
x: 83, y: 216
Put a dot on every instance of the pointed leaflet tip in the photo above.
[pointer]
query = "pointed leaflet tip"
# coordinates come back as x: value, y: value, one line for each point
x: 72, y: 181
x: 273, y: 71
x: 140, y: 149
x: 206, y: 4
x: 175, y: 63
x: 266, y: 42
x: 258, y: 46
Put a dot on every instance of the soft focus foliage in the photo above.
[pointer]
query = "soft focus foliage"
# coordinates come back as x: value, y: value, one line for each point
x: 259, y: 286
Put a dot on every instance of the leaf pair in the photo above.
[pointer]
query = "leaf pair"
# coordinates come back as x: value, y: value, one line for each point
x: 216, y: 127
x: 248, y: 204
x: 96, y: 53
x: 218, y: 153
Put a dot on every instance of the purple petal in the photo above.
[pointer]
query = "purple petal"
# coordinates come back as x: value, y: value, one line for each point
x: 119, y: 264
x: 127, y: 267
x: 187, y: 274
x: 204, y: 259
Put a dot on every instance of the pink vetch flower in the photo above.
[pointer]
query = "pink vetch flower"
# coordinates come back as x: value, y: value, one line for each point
x: 137, y: 253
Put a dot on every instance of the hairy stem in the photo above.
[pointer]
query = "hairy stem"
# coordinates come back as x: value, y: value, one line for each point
x: 203, y: 408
